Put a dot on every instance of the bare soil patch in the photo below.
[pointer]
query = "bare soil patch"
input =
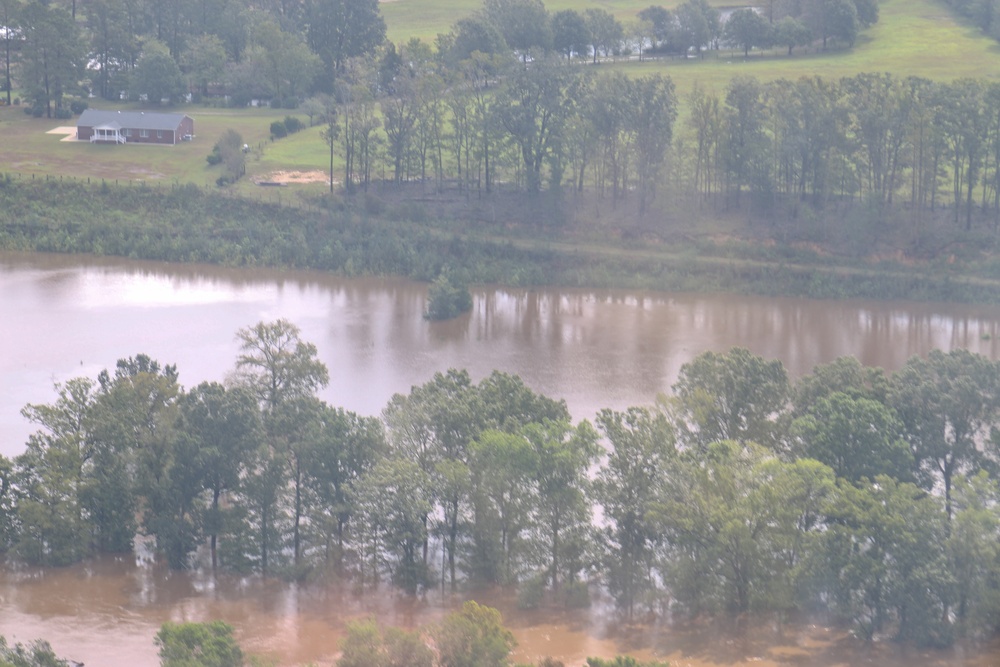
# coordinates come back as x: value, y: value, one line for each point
x: 286, y: 177
x: 68, y: 130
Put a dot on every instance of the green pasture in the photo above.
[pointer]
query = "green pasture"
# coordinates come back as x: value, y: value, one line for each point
x: 27, y: 149
x: 913, y: 37
x: 426, y: 18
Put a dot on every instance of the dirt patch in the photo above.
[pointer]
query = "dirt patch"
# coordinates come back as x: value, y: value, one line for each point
x: 286, y: 177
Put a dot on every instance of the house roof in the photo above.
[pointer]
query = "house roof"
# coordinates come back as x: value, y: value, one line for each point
x: 141, y: 120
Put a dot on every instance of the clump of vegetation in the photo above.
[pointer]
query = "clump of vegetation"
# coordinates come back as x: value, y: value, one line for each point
x: 282, y: 128
x: 448, y: 297
x: 207, y: 644
x: 230, y: 152
x: 37, y: 654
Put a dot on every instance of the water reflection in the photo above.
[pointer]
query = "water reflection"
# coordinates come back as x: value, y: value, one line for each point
x: 66, y: 316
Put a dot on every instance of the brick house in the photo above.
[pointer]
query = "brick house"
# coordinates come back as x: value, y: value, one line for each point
x: 142, y: 127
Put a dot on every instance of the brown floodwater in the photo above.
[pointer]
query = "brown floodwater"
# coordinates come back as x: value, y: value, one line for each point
x: 107, y: 612
x: 67, y: 316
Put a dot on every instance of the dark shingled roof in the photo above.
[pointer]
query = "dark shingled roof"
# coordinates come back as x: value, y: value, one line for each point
x: 139, y: 120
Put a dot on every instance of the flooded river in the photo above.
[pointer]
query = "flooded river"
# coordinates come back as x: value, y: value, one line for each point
x: 68, y: 316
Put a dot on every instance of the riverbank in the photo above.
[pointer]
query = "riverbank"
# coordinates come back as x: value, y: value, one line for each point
x: 383, y: 235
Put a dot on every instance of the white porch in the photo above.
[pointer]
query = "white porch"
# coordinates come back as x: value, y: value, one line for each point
x: 110, y: 132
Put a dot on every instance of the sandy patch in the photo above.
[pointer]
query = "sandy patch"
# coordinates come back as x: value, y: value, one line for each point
x: 68, y: 130
x: 285, y: 177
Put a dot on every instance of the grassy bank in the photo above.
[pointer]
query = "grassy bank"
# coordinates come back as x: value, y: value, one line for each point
x: 185, y: 224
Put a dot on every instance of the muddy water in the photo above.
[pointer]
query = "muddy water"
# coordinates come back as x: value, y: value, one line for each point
x: 67, y: 316
x: 62, y: 317
x: 106, y: 613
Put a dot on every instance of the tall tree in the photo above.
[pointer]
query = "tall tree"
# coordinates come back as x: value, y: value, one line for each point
x: 642, y: 445
x: 948, y: 403
x: 340, y: 29
x: 52, y: 54
x: 732, y: 396
x: 226, y: 427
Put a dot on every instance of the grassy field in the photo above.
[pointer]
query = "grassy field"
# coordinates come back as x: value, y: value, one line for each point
x: 913, y: 37
x: 426, y: 18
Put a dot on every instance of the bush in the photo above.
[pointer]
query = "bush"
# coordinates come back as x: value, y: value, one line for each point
x: 63, y: 113
x: 447, y: 298
x: 214, y: 157
x: 78, y: 106
x: 293, y: 124
x: 278, y: 130
x: 531, y: 592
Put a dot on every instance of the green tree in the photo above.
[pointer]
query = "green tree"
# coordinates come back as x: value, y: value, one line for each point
x: 225, y: 426
x: 564, y: 455
x: 157, y: 75
x: 533, y: 107
x: 973, y: 551
x: 502, y: 467
x: 51, y: 478
x: 473, y: 637
x: 343, y: 447
x: 947, y: 403
x: 884, y: 551
x: 342, y: 29
x: 38, y: 653
x: 366, y: 645
x: 857, y: 437
x: 131, y: 434
x: 740, y: 524
x: 432, y: 426
x: 114, y: 45
x: 392, y: 501
x: 52, y: 55
x: 791, y: 32
x: 524, y: 24
x: 570, y: 34
x: 732, y: 396
x: 276, y: 365
x: 198, y: 645
x: 606, y: 32
x: 642, y: 446
x: 204, y: 61
x: 747, y: 30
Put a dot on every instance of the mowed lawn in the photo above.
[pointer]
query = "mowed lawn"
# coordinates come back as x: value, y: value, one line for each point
x: 913, y: 37
x: 26, y: 149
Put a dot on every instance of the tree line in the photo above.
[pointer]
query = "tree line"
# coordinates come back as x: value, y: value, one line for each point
x: 283, y: 52
x: 868, y: 495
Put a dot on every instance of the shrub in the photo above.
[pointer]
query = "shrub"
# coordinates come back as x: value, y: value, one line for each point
x: 447, y: 298
x: 293, y: 124
x: 278, y: 130
x: 214, y: 157
x: 63, y: 113
x: 78, y: 106
x: 531, y: 592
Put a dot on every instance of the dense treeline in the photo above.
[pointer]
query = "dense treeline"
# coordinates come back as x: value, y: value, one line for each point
x: 868, y: 495
x: 284, y: 51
